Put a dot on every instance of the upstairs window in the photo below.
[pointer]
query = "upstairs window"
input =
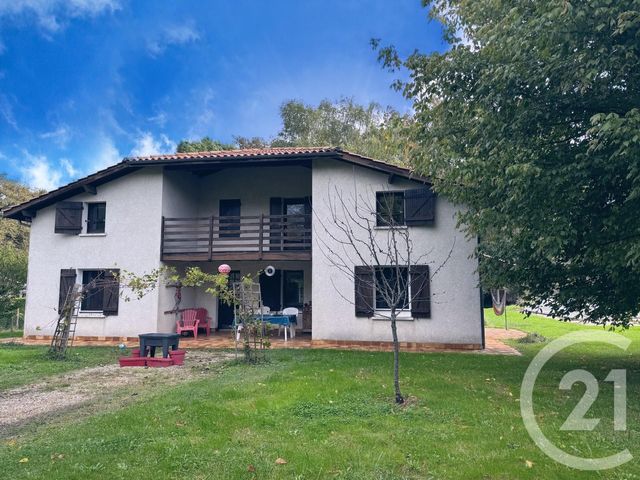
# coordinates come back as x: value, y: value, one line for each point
x: 389, y: 209
x: 96, y: 216
x: 409, y: 207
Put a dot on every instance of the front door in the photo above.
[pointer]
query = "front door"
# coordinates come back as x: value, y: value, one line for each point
x: 270, y: 288
x: 225, y: 312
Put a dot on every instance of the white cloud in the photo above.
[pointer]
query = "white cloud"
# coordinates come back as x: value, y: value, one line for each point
x: 146, y: 145
x: 39, y: 173
x: 68, y: 167
x: 202, y: 113
x: 60, y: 135
x: 159, y: 119
x: 6, y: 111
x: 172, y: 35
x: 106, y: 154
x: 53, y: 15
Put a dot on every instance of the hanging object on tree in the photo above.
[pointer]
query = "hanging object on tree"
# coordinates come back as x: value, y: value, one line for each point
x: 499, y: 300
x: 224, y: 269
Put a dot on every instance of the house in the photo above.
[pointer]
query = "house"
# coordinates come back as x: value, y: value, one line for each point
x: 249, y: 209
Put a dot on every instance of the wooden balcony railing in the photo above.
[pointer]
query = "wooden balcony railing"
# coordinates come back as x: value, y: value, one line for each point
x: 259, y: 237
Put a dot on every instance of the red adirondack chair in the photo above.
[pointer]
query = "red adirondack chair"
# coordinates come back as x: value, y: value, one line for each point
x: 205, y: 320
x: 189, y: 322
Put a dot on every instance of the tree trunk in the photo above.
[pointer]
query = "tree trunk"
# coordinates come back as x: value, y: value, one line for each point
x: 396, y: 360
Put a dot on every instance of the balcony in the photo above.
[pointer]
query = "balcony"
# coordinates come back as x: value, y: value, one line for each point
x: 260, y: 237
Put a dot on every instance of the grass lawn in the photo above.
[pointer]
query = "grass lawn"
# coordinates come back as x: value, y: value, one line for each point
x: 10, y: 333
x: 20, y: 364
x: 329, y: 415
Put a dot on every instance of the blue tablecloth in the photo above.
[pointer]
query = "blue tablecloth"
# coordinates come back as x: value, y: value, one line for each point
x: 285, y: 320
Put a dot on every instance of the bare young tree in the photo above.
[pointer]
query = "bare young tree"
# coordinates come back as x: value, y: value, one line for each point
x: 371, y: 245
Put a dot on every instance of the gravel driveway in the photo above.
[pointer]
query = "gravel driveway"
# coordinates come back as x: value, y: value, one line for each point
x: 89, y: 386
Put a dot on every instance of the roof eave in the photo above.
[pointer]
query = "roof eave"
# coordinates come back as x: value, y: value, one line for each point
x: 25, y: 211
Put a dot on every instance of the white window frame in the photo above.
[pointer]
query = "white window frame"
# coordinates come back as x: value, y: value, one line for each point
x: 85, y: 222
x: 79, y: 280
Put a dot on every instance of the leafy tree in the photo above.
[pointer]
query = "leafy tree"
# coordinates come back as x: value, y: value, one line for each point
x: 11, y: 232
x: 205, y: 144
x: 532, y: 120
x: 251, y: 142
x: 369, y: 130
x: 14, y: 246
x: 13, y: 278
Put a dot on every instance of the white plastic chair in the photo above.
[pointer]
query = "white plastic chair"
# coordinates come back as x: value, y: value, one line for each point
x: 291, y: 311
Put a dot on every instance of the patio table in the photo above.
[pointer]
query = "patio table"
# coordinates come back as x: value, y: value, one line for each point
x: 284, y: 320
x: 153, y: 340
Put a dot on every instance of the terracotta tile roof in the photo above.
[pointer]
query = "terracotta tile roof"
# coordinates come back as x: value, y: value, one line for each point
x: 240, y: 153
x: 26, y: 210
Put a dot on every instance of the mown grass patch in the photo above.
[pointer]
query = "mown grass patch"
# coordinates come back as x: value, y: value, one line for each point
x: 329, y: 414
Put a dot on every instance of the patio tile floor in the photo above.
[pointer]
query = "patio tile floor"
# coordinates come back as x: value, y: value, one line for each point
x: 494, y: 344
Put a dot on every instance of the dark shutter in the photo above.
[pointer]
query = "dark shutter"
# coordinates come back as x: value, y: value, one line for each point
x: 419, y: 206
x: 420, y: 291
x: 276, y: 224
x: 111, y: 292
x: 364, y: 291
x: 68, y: 218
x: 67, y: 280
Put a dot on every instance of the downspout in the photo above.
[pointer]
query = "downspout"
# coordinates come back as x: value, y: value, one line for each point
x: 481, y: 303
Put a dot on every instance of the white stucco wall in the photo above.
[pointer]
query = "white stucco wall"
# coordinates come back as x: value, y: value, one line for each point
x: 131, y: 242
x: 254, y: 186
x: 455, y: 301
x: 180, y: 191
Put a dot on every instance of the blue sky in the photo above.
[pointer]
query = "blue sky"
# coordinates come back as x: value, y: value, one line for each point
x: 84, y: 83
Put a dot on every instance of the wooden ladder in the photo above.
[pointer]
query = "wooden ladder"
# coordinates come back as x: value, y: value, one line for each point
x: 67, y: 321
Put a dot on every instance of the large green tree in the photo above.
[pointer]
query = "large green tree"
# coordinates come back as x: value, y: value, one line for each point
x: 205, y: 144
x: 13, y: 233
x: 14, y: 244
x: 369, y: 130
x: 532, y: 120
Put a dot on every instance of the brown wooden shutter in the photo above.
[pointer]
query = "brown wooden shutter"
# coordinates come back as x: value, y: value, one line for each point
x: 364, y: 291
x: 419, y: 206
x: 68, y: 218
x: 420, y: 291
x: 67, y: 281
x: 111, y: 292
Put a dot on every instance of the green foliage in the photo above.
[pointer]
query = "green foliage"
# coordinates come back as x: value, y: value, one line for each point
x: 11, y: 232
x: 532, y: 121
x: 14, y: 252
x: 205, y: 144
x: 13, y: 279
x: 369, y: 130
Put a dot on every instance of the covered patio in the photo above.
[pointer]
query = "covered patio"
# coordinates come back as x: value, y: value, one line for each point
x: 224, y: 340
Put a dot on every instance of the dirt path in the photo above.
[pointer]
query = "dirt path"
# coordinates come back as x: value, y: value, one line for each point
x: 73, y: 390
